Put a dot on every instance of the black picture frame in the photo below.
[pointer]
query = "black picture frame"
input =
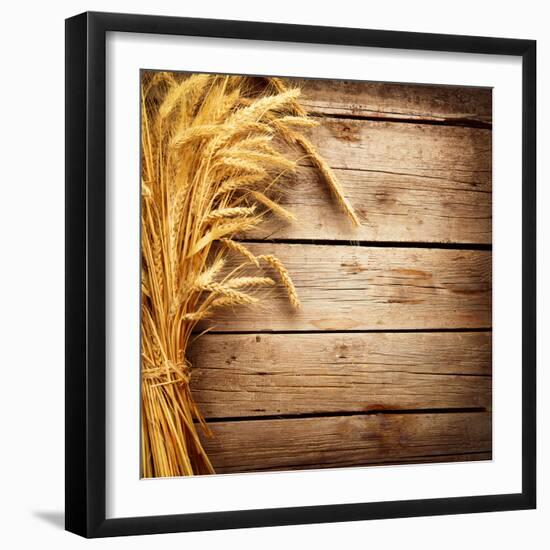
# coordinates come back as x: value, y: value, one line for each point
x: 86, y: 285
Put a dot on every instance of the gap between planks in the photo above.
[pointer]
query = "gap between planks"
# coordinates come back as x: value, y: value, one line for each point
x: 386, y: 100
x: 369, y: 116
x: 342, y: 414
x: 373, y: 244
x: 353, y: 331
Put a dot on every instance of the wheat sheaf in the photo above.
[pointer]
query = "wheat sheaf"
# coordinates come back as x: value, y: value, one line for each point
x: 214, y: 156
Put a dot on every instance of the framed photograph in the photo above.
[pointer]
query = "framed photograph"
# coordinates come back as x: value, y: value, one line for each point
x: 300, y: 274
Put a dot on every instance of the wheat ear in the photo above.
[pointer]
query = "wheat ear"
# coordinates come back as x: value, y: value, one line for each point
x: 276, y: 264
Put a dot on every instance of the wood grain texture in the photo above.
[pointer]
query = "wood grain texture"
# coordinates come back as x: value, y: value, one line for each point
x: 344, y: 441
x: 415, y: 161
x: 391, y: 207
x: 451, y: 104
x: 452, y: 157
x: 407, y: 182
x: 273, y: 374
x: 363, y: 288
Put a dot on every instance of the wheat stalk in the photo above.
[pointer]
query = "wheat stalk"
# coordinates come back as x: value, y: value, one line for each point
x: 208, y: 167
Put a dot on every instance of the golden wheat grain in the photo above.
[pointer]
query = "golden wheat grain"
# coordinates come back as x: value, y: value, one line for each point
x: 243, y: 300
x: 232, y: 212
x: 239, y: 165
x: 209, y: 159
x: 208, y: 275
x: 240, y: 182
x: 275, y: 207
x: 265, y: 105
x: 330, y: 179
x: 193, y: 316
x: 195, y: 133
x: 299, y: 121
x: 220, y: 230
x: 240, y: 282
x: 276, y: 264
x: 241, y: 249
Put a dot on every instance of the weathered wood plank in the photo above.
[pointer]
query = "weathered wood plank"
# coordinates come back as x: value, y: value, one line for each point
x: 391, y: 207
x: 344, y: 441
x: 450, y: 157
x: 407, y: 182
x: 457, y: 104
x: 362, y: 288
x: 271, y: 374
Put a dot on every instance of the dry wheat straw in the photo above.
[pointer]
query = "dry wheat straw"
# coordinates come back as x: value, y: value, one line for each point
x: 209, y: 165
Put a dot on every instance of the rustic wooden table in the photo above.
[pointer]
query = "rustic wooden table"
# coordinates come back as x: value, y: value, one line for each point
x: 389, y: 359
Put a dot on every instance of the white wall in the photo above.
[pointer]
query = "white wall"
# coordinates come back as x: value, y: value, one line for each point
x: 31, y: 304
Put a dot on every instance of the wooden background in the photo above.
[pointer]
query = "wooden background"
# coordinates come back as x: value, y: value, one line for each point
x: 389, y: 359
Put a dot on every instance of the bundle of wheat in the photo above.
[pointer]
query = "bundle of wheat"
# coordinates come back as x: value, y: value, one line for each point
x: 212, y: 155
